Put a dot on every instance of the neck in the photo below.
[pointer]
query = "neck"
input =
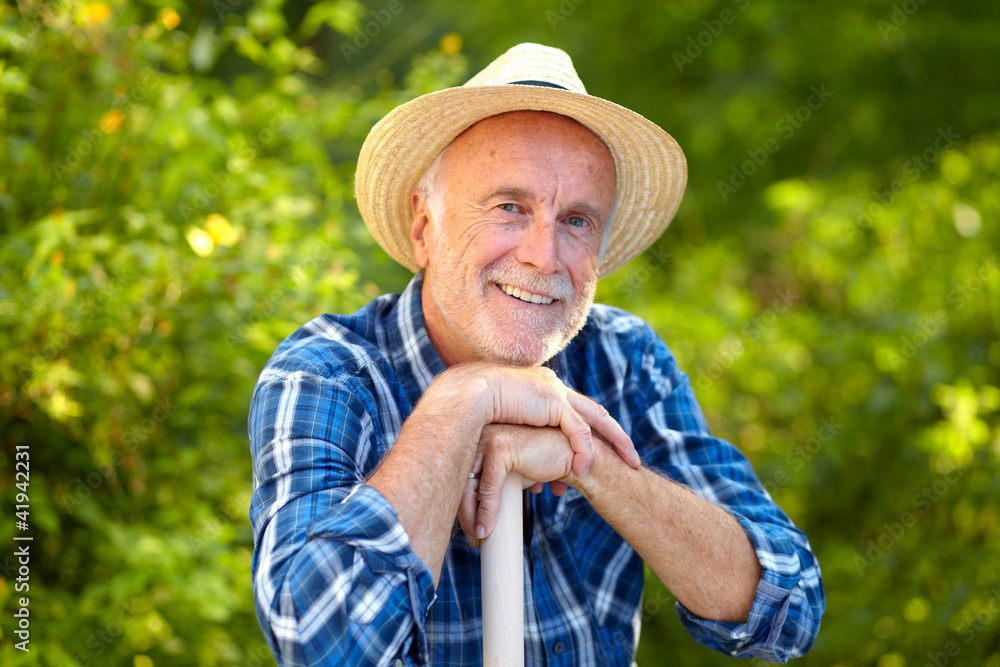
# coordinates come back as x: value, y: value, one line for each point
x: 450, y: 347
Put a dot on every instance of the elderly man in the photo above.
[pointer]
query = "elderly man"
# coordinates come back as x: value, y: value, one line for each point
x: 381, y: 440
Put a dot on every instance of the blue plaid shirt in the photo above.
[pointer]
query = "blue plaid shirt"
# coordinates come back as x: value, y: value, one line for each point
x: 334, y: 577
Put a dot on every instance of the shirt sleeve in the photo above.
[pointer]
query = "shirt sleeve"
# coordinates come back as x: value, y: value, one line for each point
x: 674, y: 436
x: 335, y: 579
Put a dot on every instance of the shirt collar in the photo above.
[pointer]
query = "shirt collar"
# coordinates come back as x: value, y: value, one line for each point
x: 413, y: 355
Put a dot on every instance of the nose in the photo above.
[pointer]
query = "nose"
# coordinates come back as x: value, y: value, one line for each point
x: 539, y: 246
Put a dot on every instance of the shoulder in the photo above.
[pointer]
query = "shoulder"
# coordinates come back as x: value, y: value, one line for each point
x: 334, y: 346
x: 608, y: 326
x: 618, y: 354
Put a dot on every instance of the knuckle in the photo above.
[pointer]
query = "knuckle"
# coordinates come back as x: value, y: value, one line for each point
x: 499, y: 443
x: 567, y: 467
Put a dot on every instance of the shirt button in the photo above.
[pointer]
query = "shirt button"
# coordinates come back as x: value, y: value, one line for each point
x: 558, y: 647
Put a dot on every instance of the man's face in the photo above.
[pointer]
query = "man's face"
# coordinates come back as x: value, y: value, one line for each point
x: 512, y: 265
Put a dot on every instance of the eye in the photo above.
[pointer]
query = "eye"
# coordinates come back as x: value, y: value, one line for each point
x: 577, y: 221
x: 510, y: 208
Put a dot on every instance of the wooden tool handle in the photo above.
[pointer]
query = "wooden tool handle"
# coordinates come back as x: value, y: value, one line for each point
x: 503, y: 582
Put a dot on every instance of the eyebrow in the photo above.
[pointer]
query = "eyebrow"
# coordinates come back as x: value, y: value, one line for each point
x: 522, y: 194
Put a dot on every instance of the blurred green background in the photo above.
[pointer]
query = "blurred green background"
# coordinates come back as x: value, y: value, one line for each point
x: 176, y: 198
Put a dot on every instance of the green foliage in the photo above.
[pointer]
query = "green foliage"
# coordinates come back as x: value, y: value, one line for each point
x: 176, y: 197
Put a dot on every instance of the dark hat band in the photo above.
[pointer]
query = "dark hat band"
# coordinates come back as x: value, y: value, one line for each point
x: 546, y: 84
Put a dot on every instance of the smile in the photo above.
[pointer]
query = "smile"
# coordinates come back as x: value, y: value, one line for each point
x: 524, y: 295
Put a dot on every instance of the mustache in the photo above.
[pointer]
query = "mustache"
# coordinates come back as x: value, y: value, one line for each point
x: 558, y: 287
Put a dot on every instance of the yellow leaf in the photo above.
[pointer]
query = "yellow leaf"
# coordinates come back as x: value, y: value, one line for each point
x: 200, y: 240
x: 96, y: 12
x: 222, y: 232
x: 891, y: 660
x: 966, y: 219
x: 112, y: 121
x: 169, y: 18
x: 217, y: 226
x: 917, y: 609
x: 61, y: 407
x: 450, y: 44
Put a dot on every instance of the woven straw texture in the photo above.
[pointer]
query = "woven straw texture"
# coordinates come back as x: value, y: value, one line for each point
x: 650, y: 169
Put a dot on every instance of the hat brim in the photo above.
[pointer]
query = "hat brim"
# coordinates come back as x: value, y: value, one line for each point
x: 650, y: 169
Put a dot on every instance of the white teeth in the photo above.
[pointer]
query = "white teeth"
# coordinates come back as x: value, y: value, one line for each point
x: 524, y: 295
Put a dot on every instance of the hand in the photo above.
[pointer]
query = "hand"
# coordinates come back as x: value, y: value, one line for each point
x: 530, y: 397
x: 541, y: 454
x: 537, y: 397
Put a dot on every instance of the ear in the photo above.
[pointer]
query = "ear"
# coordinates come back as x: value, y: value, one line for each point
x: 419, y: 228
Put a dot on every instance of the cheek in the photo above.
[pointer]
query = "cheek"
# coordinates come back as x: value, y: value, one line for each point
x: 487, y: 243
x: 583, y: 283
x: 582, y: 259
x: 463, y: 256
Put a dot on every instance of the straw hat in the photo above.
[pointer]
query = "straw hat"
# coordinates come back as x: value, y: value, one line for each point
x: 650, y: 169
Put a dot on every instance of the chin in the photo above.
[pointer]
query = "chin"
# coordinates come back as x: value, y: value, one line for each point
x: 515, y: 356
x: 522, y: 348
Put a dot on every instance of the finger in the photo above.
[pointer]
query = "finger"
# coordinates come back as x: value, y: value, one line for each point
x: 558, y: 488
x: 623, y: 453
x: 469, y: 502
x: 468, y: 506
x: 577, y: 430
x: 536, y: 487
x: 490, y: 487
x: 527, y: 482
x: 604, y: 424
x: 628, y: 454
